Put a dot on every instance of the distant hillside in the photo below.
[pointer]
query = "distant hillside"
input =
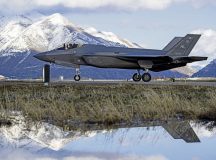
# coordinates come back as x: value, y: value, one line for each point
x: 208, y: 71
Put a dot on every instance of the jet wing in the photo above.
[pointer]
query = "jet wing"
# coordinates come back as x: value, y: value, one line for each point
x: 142, y: 60
x: 181, y: 130
x: 162, y: 58
x: 144, y: 57
x: 147, y: 61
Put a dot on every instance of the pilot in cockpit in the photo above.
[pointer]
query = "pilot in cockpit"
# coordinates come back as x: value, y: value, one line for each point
x: 68, y: 46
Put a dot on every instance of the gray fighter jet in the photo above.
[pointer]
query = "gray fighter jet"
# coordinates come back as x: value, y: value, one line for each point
x: 174, y: 55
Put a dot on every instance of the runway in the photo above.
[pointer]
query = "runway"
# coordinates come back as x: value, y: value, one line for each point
x: 110, y: 82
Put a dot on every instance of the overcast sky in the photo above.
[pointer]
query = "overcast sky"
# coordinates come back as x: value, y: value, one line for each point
x: 151, y: 23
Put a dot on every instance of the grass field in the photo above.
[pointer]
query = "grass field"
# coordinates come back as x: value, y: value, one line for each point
x: 73, y: 104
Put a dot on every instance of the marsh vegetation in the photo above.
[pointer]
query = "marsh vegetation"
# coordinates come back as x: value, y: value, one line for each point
x: 108, y: 104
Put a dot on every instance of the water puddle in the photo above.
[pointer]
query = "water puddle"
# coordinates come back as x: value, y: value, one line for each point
x: 151, y: 140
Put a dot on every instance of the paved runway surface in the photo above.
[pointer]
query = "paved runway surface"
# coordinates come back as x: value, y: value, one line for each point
x: 108, y: 82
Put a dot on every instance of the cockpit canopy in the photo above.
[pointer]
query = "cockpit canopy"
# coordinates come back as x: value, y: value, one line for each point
x: 69, y: 46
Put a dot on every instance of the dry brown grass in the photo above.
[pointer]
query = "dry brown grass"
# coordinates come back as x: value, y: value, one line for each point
x: 108, y: 104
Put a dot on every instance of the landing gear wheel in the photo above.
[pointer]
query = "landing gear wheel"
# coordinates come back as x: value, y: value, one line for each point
x: 146, y: 77
x: 137, y: 77
x: 77, y: 77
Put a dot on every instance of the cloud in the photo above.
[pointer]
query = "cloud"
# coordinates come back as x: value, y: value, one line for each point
x: 199, y: 3
x: 121, y: 5
x: 25, y: 154
x: 203, y: 131
x: 22, y: 154
x: 206, y: 46
x: 28, y: 5
x: 156, y: 157
x: 14, y: 6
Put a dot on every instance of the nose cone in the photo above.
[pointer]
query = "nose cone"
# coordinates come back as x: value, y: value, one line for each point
x: 43, y: 57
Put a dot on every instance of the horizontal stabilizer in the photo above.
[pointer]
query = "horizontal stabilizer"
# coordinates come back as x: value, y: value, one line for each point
x: 190, y: 59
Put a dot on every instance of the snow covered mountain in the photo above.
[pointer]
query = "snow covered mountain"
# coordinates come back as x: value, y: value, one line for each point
x: 109, y: 36
x: 10, y: 29
x: 46, y: 34
x: 23, y: 36
x: 2, y: 77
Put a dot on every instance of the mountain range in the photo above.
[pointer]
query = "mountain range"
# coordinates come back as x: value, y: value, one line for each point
x: 208, y: 71
x: 23, y: 36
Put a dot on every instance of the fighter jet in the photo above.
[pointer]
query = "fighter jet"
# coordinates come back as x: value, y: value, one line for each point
x: 174, y: 55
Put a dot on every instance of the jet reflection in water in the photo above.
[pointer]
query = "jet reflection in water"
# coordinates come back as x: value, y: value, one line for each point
x: 178, y: 130
x: 48, y: 136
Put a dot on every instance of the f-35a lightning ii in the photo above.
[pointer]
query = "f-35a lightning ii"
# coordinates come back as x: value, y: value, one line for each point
x: 174, y: 55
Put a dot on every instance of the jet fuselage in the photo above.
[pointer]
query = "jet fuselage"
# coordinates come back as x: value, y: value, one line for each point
x: 174, y: 55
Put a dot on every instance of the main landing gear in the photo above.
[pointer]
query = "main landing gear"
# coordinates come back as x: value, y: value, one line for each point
x: 77, y: 76
x: 146, y: 77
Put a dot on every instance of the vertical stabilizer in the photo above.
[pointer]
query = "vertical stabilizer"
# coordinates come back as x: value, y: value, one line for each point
x: 185, y: 46
x: 172, y: 43
x: 181, y: 130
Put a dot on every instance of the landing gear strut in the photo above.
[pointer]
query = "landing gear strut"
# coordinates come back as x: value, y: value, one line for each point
x: 77, y: 76
x: 146, y: 77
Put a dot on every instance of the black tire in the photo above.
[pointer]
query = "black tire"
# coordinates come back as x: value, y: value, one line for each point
x: 137, y: 77
x: 146, y: 77
x: 77, y: 78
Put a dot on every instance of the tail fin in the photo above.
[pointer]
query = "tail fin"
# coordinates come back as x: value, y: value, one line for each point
x: 184, y: 46
x: 181, y: 130
x: 172, y: 43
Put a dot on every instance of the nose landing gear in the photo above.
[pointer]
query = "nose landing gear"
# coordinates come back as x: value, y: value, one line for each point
x: 77, y: 76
